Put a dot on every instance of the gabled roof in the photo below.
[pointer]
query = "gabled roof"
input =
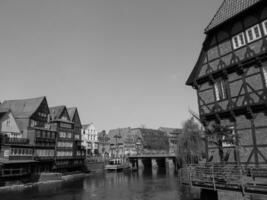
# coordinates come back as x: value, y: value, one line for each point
x: 22, y: 108
x: 56, y: 111
x: 21, y: 123
x: 228, y: 10
x: 71, y: 112
x: 86, y: 126
x: 192, y: 76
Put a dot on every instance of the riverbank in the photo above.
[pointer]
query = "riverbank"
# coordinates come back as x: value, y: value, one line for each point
x: 45, y: 179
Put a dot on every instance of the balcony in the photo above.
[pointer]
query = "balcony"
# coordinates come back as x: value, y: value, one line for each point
x: 43, y: 158
x: 6, y: 173
x: 42, y: 139
x: 14, y: 141
x: 226, y: 177
x: 20, y: 157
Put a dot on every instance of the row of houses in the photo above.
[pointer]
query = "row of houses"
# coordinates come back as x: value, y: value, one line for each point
x: 123, y: 142
x: 36, y: 138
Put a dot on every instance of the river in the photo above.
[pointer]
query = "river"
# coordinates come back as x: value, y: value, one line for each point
x: 109, y: 186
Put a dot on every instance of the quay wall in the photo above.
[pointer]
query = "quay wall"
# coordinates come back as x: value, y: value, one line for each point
x: 53, y: 179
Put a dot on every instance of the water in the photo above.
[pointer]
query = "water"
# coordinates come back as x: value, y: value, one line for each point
x: 110, y: 186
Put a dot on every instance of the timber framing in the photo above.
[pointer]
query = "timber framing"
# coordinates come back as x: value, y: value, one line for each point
x: 231, y: 82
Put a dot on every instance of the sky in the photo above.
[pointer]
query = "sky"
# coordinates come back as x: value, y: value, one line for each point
x: 123, y: 63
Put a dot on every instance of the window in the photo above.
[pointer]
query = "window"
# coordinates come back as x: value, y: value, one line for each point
x: 229, y: 144
x: 253, y: 33
x: 220, y: 90
x: 264, y: 69
x: 264, y: 25
x: 238, y: 40
x: 33, y: 123
x: 8, y: 123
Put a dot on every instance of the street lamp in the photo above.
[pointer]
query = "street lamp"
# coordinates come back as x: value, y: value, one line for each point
x: 117, y: 149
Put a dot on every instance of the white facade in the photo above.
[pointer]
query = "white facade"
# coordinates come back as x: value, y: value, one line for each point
x: 89, y: 139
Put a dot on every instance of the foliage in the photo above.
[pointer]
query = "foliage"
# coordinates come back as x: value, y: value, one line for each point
x: 190, y: 143
x: 218, y: 135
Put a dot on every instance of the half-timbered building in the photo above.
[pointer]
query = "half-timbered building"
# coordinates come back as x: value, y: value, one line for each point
x: 31, y: 117
x: 16, y: 153
x: 78, y: 149
x: 61, y: 123
x: 230, y: 78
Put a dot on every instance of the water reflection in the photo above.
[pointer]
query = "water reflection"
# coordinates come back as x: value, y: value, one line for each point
x: 141, y: 185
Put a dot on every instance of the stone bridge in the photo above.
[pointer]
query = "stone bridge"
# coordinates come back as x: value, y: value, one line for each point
x: 146, y: 161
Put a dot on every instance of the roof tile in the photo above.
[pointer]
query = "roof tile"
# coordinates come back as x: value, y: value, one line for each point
x: 229, y: 9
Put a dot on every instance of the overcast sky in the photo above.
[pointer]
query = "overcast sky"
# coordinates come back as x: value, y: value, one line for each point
x: 121, y: 62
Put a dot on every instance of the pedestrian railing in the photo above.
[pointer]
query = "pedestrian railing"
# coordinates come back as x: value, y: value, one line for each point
x: 225, y: 176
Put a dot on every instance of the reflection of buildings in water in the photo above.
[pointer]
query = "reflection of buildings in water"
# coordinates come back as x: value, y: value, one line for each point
x: 94, y: 182
x: 51, y: 187
x: 116, y: 178
x: 154, y: 173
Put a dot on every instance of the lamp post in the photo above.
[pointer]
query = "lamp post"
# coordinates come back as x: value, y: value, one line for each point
x: 116, y: 144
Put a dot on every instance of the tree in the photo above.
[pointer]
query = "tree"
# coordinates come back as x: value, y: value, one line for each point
x: 218, y: 135
x: 190, y: 143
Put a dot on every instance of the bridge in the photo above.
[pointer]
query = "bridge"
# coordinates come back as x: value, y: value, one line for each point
x: 154, y: 161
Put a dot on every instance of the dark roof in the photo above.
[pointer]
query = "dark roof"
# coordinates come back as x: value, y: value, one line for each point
x: 171, y: 130
x: 22, y: 108
x: 153, y: 139
x: 71, y: 112
x: 56, y: 111
x: 123, y: 134
x: 191, y: 78
x: 228, y: 10
x: 4, y: 110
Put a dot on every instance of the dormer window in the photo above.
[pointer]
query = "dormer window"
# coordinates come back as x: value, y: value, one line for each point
x: 253, y: 33
x: 264, y: 25
x: 220, y: 90
x: 238, y: 40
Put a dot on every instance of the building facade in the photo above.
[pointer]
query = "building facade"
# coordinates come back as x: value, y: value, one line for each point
x: 172, y: 134
x: 126, y: 142
x: 90, y: 139
x: 26, y: 127
x: 121, y: 143
x: 150, y: 141
x: 36, y: 139
x: 16, y: 153
x: 78, y: 149
x: 61, y: 123
x: 230, y: 78
x: 104, y: 143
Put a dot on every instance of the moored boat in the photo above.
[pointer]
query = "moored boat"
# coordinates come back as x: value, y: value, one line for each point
x: 116, y: 165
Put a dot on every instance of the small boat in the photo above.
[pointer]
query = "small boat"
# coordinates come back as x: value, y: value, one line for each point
x: 116, y: 165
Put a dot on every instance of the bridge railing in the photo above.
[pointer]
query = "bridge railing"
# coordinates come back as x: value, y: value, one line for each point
x: 224, y: 176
